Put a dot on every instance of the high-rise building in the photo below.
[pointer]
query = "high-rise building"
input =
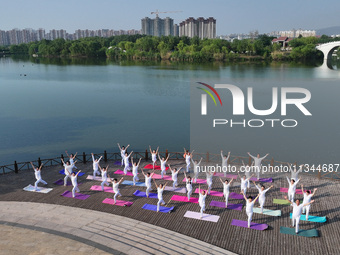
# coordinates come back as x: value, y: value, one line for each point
x: 158, y: 26
x: 203, y: 28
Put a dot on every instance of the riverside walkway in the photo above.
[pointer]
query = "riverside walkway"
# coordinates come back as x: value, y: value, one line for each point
x: 127, y: 230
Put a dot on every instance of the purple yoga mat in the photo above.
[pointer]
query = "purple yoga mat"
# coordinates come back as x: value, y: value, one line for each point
x: 61, y: 182
x: 78, y: 195
x: 230, y: 206
x: 212, y: 193
x: 143, y: 194
x: 110, y: 201
x: 119, y: 163
x: 253, y: 225
x: 235, y: 195
x: 261, y: 179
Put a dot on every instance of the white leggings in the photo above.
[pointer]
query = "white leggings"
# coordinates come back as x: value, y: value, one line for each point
x: 160, y: 201
x: 116, y: 194
x: 261, y: 202
x: 188, y: 166
x: 126, y: 168
x: 209, y: 186
x: 306, y: 209
x: 122, y: 163
x: 250, y: 216
x: 291, y: 195
x: 162, y: 173
x: 135, y: 178
x: 148, y: 188
x: 174, y: 185
x: 189, y: 193
x: 244, y: 191
x: 202, y: 210
x: 226, y: 195
x: 195, y: 176
x: 296, y: 220
x: 104, y: 182
x: 65, y: 179
x: 95, y: 172
x: 75, y: 188
x: 37, y: 182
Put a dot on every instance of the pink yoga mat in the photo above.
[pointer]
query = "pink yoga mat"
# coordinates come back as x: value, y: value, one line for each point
x: 78, y: 195
x: 165, y: 177
x: 261, y: 179
x: 212, y: 193
x: 200, y: 181
x: 99, y: 188
x: 149, y: 166
x: 184, y: 199
x: 253, y: 225
x: 285, y: 190
x: 122, y: 173
x: 110, y: 201
x: 230, y: 206
x: 197, y: 215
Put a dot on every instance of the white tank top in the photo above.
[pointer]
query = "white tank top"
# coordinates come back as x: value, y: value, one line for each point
x: 37, y: 174
x: 189, y: 185
x: 148, y: 181
x: 226, y: 187
x: 135, y: 170
x: 249, y: 207
x: 154, y: 157
x: 174, y: 175
x: 115, y: 187
x: 104, y: 175
x: 163, y: 162
x: 74, y: 180
x: 160, y: 193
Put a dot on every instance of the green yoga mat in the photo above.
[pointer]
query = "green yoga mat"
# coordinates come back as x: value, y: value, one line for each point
x: 281, y: 201
x: 306, y: 233
x: 312, y: 218
x: 268, y: 212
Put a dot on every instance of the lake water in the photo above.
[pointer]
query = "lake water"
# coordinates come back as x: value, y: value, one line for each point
x: 49, y: 106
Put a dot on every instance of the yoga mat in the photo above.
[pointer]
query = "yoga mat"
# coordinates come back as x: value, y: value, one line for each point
x: 122, y: 173
x: 61, y: 182
x: 119, y: 163
x: 261, y: 179
x: 149, y: 166
x: 127, y: 182
x: 78, y: 195
x: 165, y: 177
x: 39, y: 189
x: 235, y: 195
x: 312, y: 218
x: 197, y: 215
x: 184, y: 199
x: 267, y: 211
x: 97, y: 178
x: 139, y: 193
x: 230, y: 206
x: 63, y: 172
x: 99, y: 188
x: 302, y: 232
x: 253, y: 225
x: 285, y: 190
x: 228, y: 176
x: 179, y: 190
x: 110, y: 201
x: 212, y: 193
x: 280, y: 201
x: 154, y: 208
x: 201, y: 181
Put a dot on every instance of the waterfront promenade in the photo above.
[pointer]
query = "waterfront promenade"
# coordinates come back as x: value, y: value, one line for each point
x: 90, y: 222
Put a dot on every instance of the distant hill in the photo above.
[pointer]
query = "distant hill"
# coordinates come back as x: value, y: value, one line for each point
x: 329, y: 31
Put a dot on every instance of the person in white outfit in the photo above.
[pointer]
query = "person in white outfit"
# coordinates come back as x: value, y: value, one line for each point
x: 209, y: 176
x: 95, y: 164
x: 174, y: 173
x: 196, y: 168
x: 122, y: 152
x: 74, y: 177
x: 153, y: 156
x: 262, y: 194
x: 307, y: 198
x: 67, y: 170
x: 163, y: 164
x: 201, y: 200
x: 249, y: 206
x: 135, y: 166
x: 115, y: 187
x: 244, y: 184
x: 226, y: 190
x: 37, y: 173
x: 148, y: 178
x: 292, y: 188
x: 104, y: 176
x: 187, y: 156
x: 188, y: 185
x: 248, y: 170
x: 72, y: 158
x: 127, y: 162
x: 257, y: 163
x: 297, y: 211
x: 294, y: 172
x: 225, y: 159
x: 160, y: 189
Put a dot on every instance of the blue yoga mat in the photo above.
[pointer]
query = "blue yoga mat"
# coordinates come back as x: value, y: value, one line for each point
x: 154, y: 208
x: 139, y: 193
x: 302, y: 232
x: 312, y: 218
x: 63, y: 172
x: 126, y: 182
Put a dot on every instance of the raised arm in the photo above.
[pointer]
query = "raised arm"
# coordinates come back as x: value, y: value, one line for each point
x: 264, y: 156
x: 231, y: 180
x: 100, y: 158
x: 143, y: 173
x: 75, y: 155
x: 200, y: 161
x: 120, y: 181
x: 62, y: 161
x: 179, y: 169
x: 256, y: 197
x: 165, y: 185
x: 67, y: 171
x: 314, y: 191
x: 130, y: 153
x: 152, y: 173
x: 132, y: 160
x: 220, y: 179
x: 302, y: 189
x: 169, y: 167
x: 119, y: 147
x: 77, y: 173
x: 127, y: 146
x: 139, y: 161
x: 288, y: 179
x: 222, y: 154
x: 308, y: 203
x: 33, y: 165
x: 251, y: 155
x: 157, y: 149
x: 245, y: 198
x: 67, y: 154
x: 300, y: 169
x: 297, y: 182
x: 92, y: 157
x: 150, y: 149
x: 167, y: 157
x: 159, y: 157
x: 41, y: 166
x: 288, y: 200
x: 185, y: 176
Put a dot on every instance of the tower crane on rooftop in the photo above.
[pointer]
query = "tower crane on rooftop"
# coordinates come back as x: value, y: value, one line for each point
x: 158, y: 12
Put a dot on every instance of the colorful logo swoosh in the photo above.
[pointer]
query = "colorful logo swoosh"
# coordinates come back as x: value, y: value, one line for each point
x: 209, y: 93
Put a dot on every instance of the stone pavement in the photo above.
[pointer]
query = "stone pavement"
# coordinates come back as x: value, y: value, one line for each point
x: 36, y: 228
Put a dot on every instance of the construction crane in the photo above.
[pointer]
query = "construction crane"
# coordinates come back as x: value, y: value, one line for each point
x: 157, y: 12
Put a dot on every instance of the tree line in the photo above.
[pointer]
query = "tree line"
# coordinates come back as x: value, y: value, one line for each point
x: 142, y: 47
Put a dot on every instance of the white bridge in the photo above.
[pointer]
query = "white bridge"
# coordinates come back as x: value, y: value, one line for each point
x: 328, y: 49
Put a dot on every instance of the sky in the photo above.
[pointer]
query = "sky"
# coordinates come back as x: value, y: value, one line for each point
x: 233, y: 16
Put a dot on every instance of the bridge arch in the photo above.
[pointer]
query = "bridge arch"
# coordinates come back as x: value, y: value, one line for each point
x: 328, y: 49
